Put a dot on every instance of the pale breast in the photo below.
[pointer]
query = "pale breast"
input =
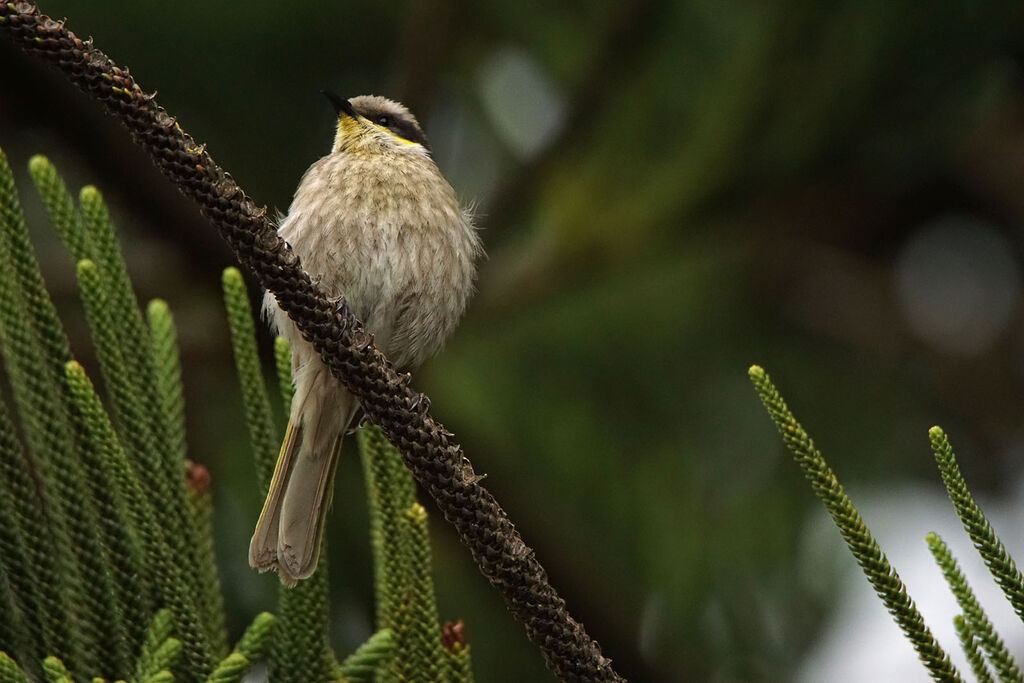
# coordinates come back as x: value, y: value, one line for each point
x: 386, y: 232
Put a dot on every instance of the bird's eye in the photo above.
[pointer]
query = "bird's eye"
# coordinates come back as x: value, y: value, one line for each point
x: 384, y: 120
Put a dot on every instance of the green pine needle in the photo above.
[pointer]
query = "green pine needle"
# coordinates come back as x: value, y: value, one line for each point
x: 880, y: 574
x: 125, y: 603
x: 283, y: 363
x: 167, y: 364
x: 999, y: 562
x: 406, y: 604
x: 60, y: 207
x: 418, y: 633
x: 161, y: 627
x: 256, y: 639
x: 170, y: 400
x: 969, y: 643
x: 161, y: 650
x: 389, y: 496
x: 211, y: 600
x: 10, y: 672
x: 231, y: 669
x: 362, y: 664
x: 123, y: 531
x: 460, y: 669
x: 125, y: 511
x: 178, y: 547
x: 24, y: 309
x: 134, y: 426
x: 300, y: 652
x: 125, y: 348
x: 163, y: 676
x: 55, y: 671
x: 126, y: 318
x: 977, y: 620
x: 263, y: 434
x: 20, y: 522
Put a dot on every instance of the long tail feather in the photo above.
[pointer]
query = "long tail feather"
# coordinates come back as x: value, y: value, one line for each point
x: 288, y: 533
x: 304, y: 509
x: 263, y: 546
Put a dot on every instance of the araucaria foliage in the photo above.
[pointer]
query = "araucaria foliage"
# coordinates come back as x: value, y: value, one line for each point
x: 982, y: 646
x: 107, y: 563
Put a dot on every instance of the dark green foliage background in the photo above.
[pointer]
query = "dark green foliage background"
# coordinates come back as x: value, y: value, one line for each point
x: 732, y: 184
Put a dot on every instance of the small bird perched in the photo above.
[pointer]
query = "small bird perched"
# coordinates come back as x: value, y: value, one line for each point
x: 374, y: 222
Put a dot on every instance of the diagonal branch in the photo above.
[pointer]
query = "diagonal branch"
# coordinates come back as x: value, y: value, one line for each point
x: 430, y: 451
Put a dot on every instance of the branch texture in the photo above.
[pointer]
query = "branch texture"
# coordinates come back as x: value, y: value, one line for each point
x: 430, y: 452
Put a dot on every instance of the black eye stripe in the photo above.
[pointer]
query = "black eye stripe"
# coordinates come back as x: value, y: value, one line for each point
x: 398, y: 125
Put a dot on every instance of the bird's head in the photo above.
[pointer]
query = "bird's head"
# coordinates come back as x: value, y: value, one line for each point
x: 370, y: 121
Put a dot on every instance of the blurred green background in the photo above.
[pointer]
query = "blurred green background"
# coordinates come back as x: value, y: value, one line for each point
x: 668, y: 192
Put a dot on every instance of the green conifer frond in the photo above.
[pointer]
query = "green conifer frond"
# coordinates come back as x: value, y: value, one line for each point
x: 161, y: 650
x: 992, y: 550
x: 125, y: 510
x: 167, y: 366
x: 126, y: 318
x: 211, y: 599
x: 263, y: 434
x: 418, y: 634
x: 257, y: 637
x: 880, y: 574
x: 136, y: 381
x: 250, y: 648
x: 300, y: 652
x: 406, y: 604
x: 388, y: 496
x: 161, y: 627
x: 1002, y: 661
x: 55, y: 671
x: 163, y: 676
x: 128, y: 604
x: 971, y: 645
x: 24, y: 306
x: 168, y: 543
x: 124, y: 307
x: 460, y: 669
x: 169, y: 397
x: 20, y: 522
x: 60, y: 207
x: 14, y: 631
x: 364, y: 662
x: 283, y: 364
x: 141, y: 535
x: 231, y: 669
x: 40, y: 311
x: 10, y: 672
x: 168, y: 655
x: 134, y: 427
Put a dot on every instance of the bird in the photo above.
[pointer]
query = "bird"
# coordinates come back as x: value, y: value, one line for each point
x: 376, y: 224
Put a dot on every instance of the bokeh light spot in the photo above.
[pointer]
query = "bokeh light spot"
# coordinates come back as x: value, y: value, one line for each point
x: 958, y: 282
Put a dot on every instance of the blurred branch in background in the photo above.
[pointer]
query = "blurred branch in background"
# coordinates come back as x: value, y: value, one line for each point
x: 36, y: 100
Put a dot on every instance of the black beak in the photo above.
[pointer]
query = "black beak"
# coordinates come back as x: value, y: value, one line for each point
x: 341, y: 105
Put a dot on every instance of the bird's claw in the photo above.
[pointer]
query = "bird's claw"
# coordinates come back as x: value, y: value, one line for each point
x: 420, y: 400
